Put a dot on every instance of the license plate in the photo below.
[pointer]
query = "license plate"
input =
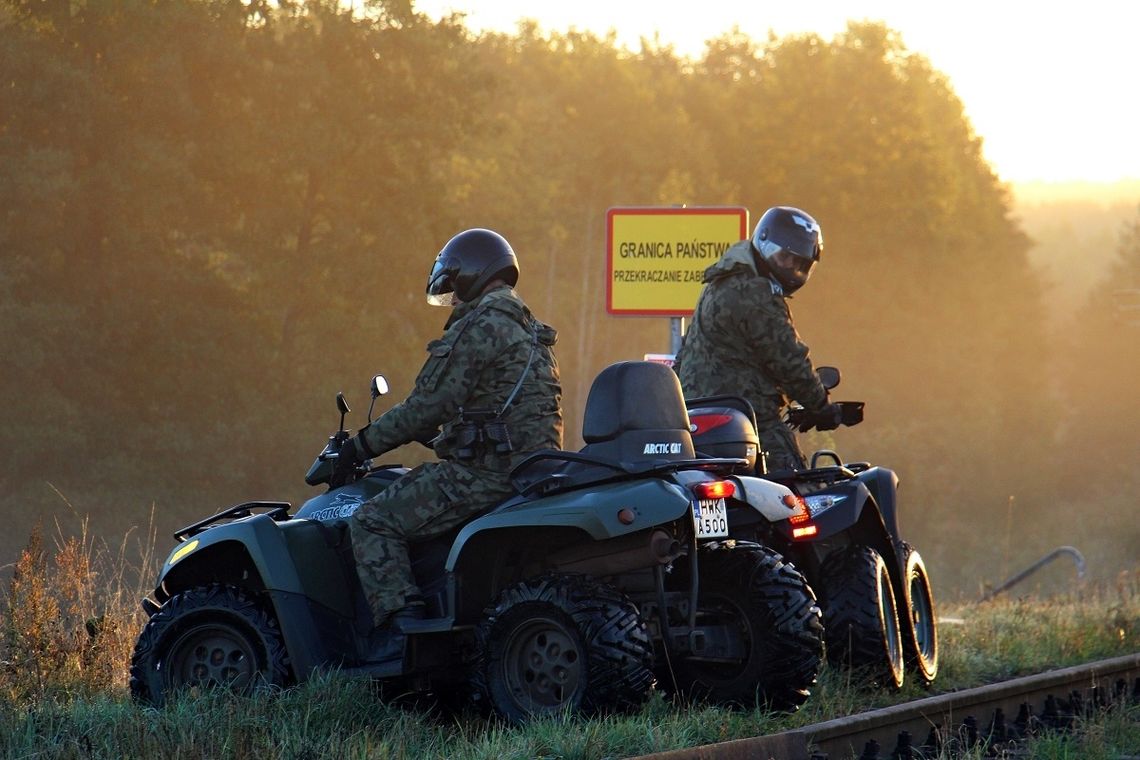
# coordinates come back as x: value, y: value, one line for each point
x: 710, y: 518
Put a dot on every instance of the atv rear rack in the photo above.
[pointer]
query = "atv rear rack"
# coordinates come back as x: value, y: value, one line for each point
x: 278, y: 510
x: 575, y: 469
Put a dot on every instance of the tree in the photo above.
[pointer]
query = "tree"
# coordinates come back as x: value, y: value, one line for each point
x: 216, y: 214
x: 924, y: 296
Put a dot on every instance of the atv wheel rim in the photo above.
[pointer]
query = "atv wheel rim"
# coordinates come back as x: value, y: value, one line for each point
x: 543, y: 666
x: 922, y: 617
x: 890, y: 624
x: 209, y: 656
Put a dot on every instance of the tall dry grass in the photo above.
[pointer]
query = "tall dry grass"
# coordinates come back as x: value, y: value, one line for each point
x: 71, y: 613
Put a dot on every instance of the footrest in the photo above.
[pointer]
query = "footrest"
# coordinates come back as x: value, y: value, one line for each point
x: 427, y: 625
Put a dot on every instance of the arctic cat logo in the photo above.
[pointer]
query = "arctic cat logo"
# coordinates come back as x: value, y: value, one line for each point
x: 662, y: 448
x: 342, y: 507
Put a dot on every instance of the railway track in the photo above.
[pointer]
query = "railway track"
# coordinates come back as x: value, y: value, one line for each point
x: 995, y: 715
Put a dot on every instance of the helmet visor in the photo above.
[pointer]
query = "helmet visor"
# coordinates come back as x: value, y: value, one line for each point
x: 440, y: 287
x: 790, y: 268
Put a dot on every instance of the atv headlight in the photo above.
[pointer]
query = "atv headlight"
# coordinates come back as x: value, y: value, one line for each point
x: 819, y: 503
x: 182, y: 551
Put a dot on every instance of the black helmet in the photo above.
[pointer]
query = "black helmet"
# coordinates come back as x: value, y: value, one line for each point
x: 468, y: 262
x: 789, y: 242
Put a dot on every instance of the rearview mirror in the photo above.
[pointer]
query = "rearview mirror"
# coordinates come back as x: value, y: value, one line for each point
x: 379, y: 386
x: 342, y: 406
x: 829, y: 376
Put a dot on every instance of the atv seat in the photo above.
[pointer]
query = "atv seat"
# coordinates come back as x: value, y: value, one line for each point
x: 635, y: 420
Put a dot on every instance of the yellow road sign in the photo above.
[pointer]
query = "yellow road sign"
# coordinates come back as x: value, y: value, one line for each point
x: 656, y: 255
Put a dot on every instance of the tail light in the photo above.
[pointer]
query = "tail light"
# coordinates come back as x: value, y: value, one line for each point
x: 800, y: 519
x: 714, y: 489
x: 703, y: 423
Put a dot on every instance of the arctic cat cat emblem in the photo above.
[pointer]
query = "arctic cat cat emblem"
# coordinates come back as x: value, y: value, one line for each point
x: 342, y: 508
x: 662, y: 448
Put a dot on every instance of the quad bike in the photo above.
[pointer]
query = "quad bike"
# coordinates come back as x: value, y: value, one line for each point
x: 609, y: 570
x: 841, y: 530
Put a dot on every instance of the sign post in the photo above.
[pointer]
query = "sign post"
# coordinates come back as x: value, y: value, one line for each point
x: 657, y: 255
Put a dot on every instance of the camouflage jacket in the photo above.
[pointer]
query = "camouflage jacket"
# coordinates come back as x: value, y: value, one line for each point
x: 742, y: 341
x: 476, y: 364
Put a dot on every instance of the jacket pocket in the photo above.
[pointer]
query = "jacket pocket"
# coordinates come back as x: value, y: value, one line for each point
x: 439, y: 356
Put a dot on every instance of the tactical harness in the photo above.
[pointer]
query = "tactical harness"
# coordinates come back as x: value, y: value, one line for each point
x: 484, y: 427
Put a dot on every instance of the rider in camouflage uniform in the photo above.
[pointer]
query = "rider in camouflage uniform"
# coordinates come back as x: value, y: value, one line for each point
x: 742, y: 340
x: 494, y: 356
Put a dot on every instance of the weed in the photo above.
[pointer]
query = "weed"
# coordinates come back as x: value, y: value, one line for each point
x: 70, y: 617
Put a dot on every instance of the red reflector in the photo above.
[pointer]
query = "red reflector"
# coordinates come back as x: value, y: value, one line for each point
x: 626, y: 516
x: 806, y: 531
x: 716, y: 489
x: 702, y: 423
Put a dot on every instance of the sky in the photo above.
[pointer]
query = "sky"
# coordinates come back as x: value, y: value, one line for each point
x: 1051, y: 88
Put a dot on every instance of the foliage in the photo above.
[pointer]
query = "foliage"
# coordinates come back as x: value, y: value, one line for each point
x: 218, y: 214
x: 1097, y: 434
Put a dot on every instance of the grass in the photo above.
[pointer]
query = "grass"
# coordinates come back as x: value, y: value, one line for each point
x: 1109, y: 736
x: 70, y: 617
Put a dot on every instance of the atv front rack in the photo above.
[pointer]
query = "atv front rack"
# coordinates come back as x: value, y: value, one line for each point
x: 278, y: 510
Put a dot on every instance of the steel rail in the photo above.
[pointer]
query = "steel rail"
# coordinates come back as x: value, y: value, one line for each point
x: 993, y: 714
x: 1078, y: 560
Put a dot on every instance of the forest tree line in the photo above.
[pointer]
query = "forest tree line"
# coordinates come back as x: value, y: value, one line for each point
x: 216, y: 214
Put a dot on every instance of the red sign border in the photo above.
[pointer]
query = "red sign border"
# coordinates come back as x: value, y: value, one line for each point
x: 741, y: 211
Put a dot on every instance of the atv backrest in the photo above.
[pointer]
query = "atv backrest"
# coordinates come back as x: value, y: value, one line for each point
x: 636, y: 412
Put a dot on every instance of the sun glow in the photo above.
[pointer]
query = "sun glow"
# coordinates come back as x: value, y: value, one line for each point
x: 1049, y: 94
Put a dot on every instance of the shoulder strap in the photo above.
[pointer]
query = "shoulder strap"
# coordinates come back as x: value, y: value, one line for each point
x: 522, y: 376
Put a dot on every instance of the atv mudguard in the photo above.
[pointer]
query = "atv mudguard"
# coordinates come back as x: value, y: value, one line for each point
x: 263, y: 552
x: 867, y: 512
x: 589, y: 514
x: 764, y: 496
x: 263, y: 555
x: 856, y: 510
x: 852, y: 497
x: 883, y: 485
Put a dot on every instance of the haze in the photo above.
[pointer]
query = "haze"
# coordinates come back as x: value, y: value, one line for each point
x: 1045, y: 84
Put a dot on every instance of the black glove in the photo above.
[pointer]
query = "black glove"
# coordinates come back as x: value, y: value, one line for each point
x: 347, y: 457
x: 428, y: 438
x: 827, y: 418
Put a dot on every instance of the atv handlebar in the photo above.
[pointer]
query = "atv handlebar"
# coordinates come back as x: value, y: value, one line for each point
x: 323, y: 469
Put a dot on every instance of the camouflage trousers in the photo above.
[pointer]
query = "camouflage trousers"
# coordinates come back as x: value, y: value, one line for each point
x: 428, y: 501
x: 778, y: 442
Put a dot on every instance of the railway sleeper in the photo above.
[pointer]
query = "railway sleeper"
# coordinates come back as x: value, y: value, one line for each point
x: 1000, y: 737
